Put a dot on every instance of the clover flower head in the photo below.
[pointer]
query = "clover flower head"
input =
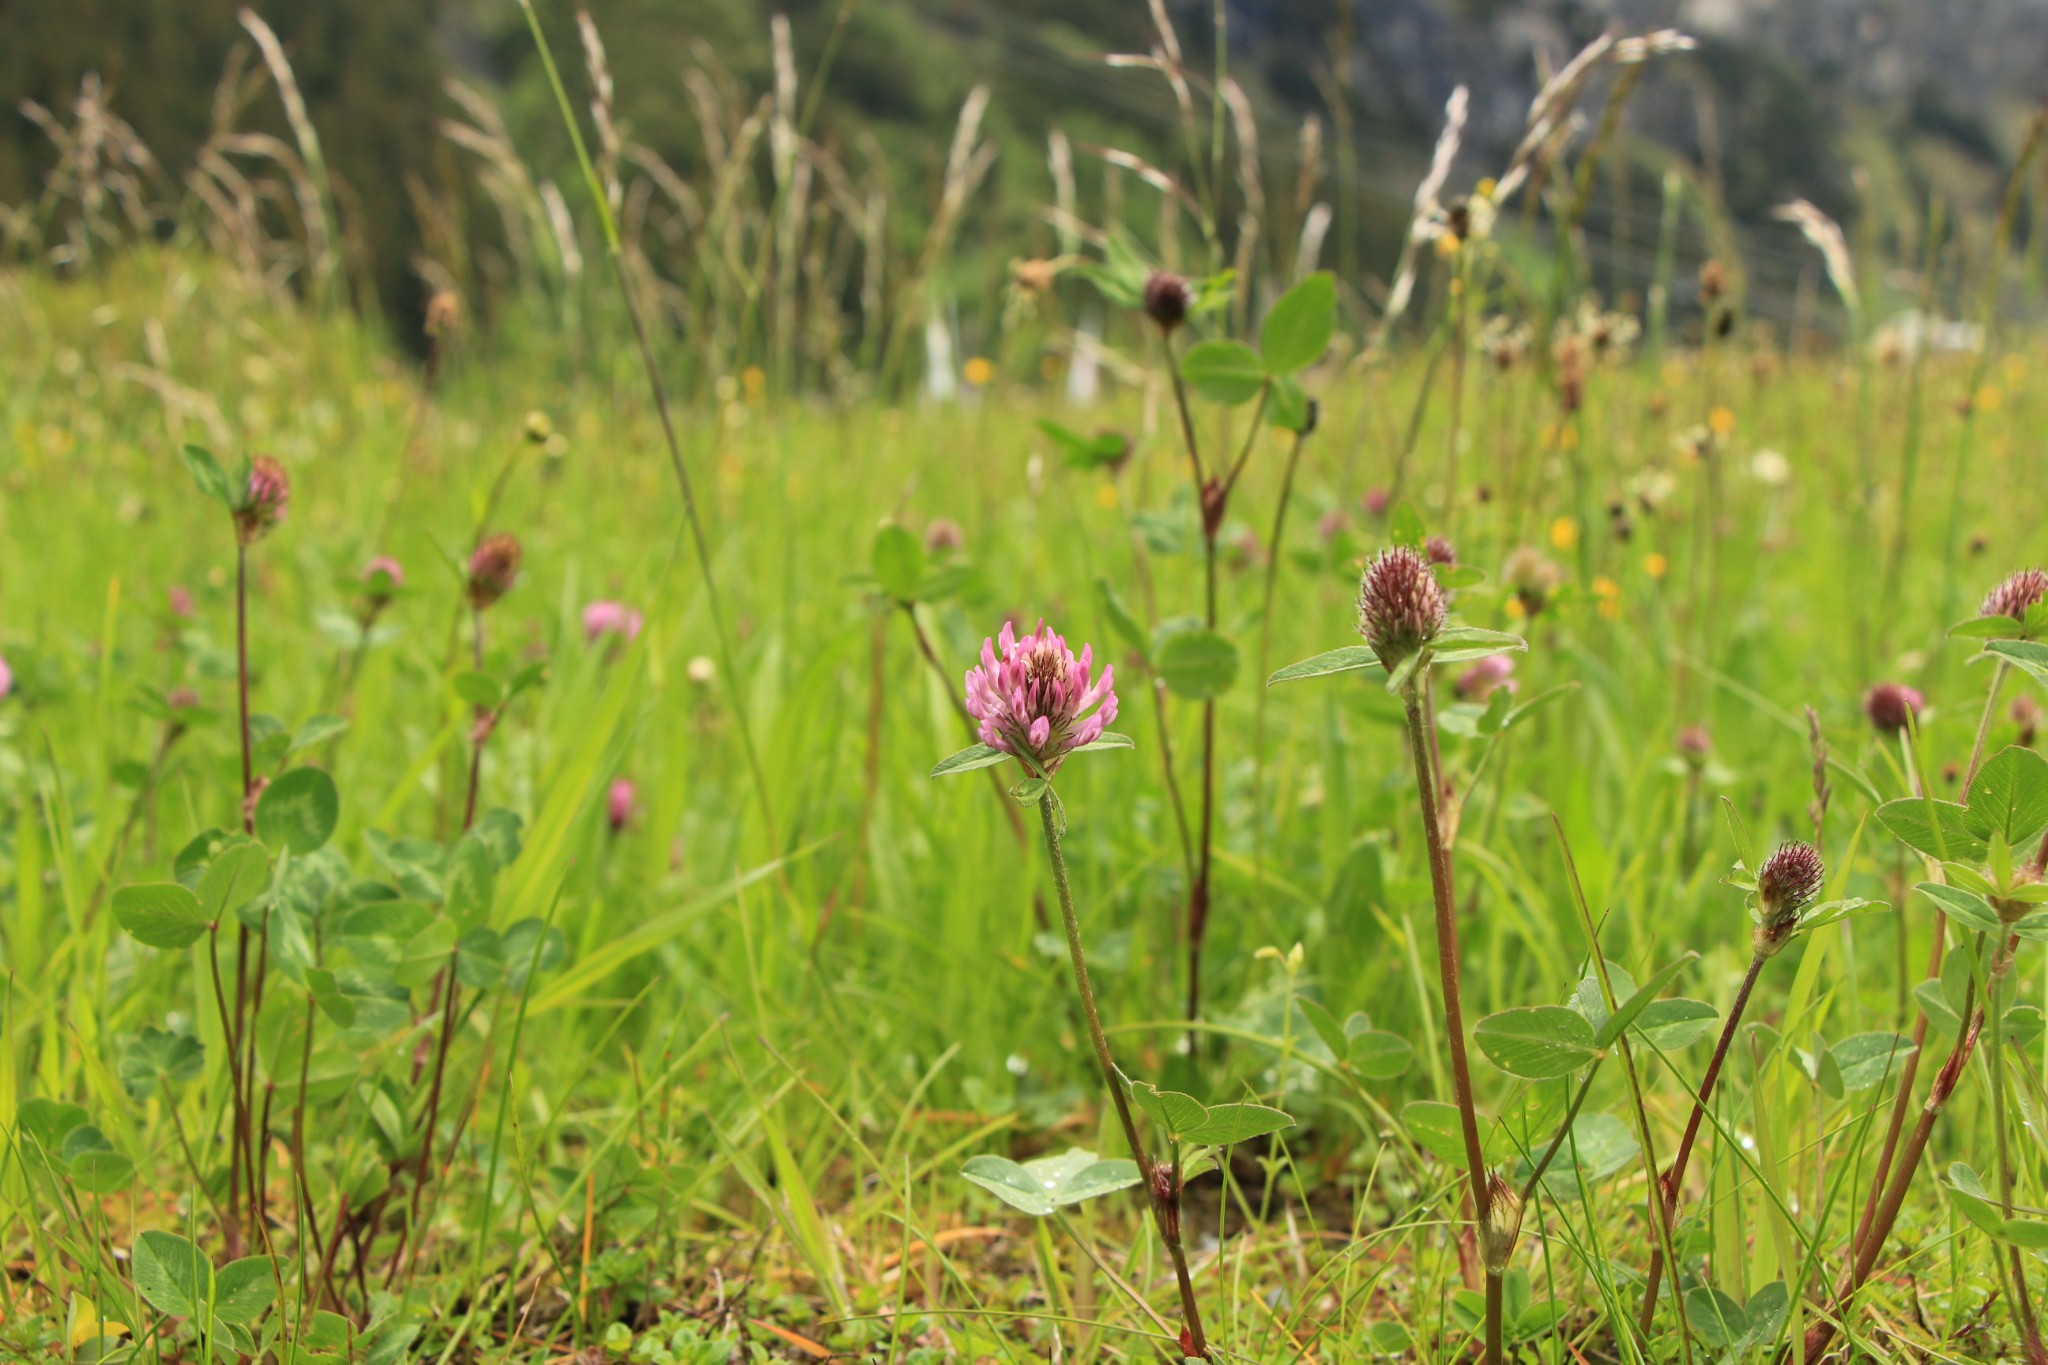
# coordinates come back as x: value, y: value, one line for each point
x: 2016, y: 595
x: 1892, y: 706
x: 492, y: 569
x: 1786, y: 884
x: 263, y: 500
x: 1034, y: 700
x: 1400, y: 605
x: 610, y: 618
x: 1168, y: 299
x: 619, y: 802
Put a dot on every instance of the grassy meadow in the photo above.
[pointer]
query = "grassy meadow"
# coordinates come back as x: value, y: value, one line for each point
x: 420, y: 947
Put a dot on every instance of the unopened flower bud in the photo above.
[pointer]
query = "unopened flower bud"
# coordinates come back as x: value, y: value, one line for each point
x: 492, y: 569
x: 539, y: 427
x: 263, y: 500
x: 619, y: 803
x: 1891, y: 706
x: 943, y: 536
x: 1168, y: 299
x: 1694, y: 744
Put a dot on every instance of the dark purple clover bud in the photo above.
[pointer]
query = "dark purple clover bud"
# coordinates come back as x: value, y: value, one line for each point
x: 1168, y: 299
x: 1694, y: 745
x: 1892, y: 706
x: 944, y: 536
x: 1786, y: 884
x: 2016, y: 595
x: 2026, y: 713
x: 1440, y: 551
x: 263, y: 501
x: 1400, y: 606
x: 492, y: 569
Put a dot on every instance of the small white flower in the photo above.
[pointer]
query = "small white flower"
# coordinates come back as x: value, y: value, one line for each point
x: 1770, y: 467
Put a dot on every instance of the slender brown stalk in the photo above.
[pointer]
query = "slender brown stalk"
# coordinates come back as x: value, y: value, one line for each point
x: 1448, y: 975
x: 1674, y: 1178
x: 1162, y: 1186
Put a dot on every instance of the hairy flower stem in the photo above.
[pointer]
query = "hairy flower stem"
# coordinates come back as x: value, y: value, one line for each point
x: 1165, y: 1204
x: 1674, y: 1178
x: 1419, y: 749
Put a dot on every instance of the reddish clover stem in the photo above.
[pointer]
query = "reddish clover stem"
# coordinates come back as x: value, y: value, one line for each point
x: 1674, y: 1178
x: 1165, y: 1202
x: 1419, y: 749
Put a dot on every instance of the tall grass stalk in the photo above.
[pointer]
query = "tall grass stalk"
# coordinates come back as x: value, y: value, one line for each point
x: 614, y: 249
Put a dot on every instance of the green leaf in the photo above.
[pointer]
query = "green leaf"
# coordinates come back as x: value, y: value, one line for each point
x: 1715, y: 1318
x: 968, y: 759
x: 1198, y: 664
x: 327, y: 994
x: 1122, y: 621
x: 1537, y: 1042
x: 1288, y: 405
x: 1406, y: 528
x: 1907, y: 819
x: 1050, y: 1182
x: 1973, y: 1201
x: 898, y: 562
x: 1299, y: 325
x: 1345, y: 659
x: 156, y: 1059
x: 47, y: 1123
x: 101, y: 1171
x: 1231, y: 1123
x: 1227, y: 372
x: 471, y: 883
x: 1179, y: 1115
x: 1672, y: 1024
x: 1632, y: 1008
x: 243, y: 1289
x: 1436, y: 1128
x: 234, y: 877
x: 316, y: 730
x: 480, y: 690
x: 1105, y: 741
x: 1972, y: 912
x: 160, y: 914
x: 1085, y: 452
x: 1461, y: 644
x: 1030, y: 791
x: 1866, y: 1059
x: 1599, y: 1146
x: 1326, y: 1025
x: 1983, y: 628
x: 2029, y: 656
x: 172, y: 1273
x: 298, y: 810
x: 1378, y: 1055
x: 207, y: 473
x: 1834, y: 912
x: 2009, y: 796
